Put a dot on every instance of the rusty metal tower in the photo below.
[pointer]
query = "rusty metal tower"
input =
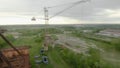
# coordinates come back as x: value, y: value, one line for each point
x: 46, y: 43
x: 13, y: 57
x: 47, y: 18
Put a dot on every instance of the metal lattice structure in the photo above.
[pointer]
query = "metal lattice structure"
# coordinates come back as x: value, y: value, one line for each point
x: 13, y: 57
x: 47, y: 18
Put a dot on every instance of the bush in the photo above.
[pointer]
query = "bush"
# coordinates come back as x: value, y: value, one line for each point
x: 54, y: 37
x: 40, y: 38
x: 10, y: 38
x: 52, y: 30
x: 116, y: 44
x: 2, y: 43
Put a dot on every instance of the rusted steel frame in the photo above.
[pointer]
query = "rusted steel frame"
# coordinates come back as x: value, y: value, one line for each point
x: 6, y: 40
x: 3, y: 58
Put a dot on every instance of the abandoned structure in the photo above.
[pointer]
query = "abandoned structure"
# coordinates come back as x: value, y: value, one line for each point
x: 13, y: 57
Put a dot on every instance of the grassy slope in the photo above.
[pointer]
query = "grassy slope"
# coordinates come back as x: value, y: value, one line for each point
x: 55, y: 61
x: 110, y: 54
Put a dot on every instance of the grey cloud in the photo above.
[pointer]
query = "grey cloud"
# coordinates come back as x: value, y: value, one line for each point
x: 87, y: 11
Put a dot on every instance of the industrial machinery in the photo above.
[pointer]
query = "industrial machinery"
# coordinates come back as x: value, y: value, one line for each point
x: 47, y: 18
x: 13, y: 57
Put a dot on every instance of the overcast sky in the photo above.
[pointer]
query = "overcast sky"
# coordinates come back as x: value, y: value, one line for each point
x: 92, y: 12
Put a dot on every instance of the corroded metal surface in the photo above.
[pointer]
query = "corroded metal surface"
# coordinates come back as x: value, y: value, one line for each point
x: 14, y: 58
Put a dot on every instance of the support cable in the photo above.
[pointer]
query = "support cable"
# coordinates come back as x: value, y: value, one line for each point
x: 67, y: 4
x: 73, y: 4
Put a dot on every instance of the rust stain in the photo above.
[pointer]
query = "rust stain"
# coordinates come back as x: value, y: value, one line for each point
x: 14, y: 57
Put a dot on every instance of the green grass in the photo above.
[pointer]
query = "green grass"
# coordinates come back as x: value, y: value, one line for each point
x: 62, y: 57
x: 111, y: 48
x: 55, y: 61
x: 58, y: 58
